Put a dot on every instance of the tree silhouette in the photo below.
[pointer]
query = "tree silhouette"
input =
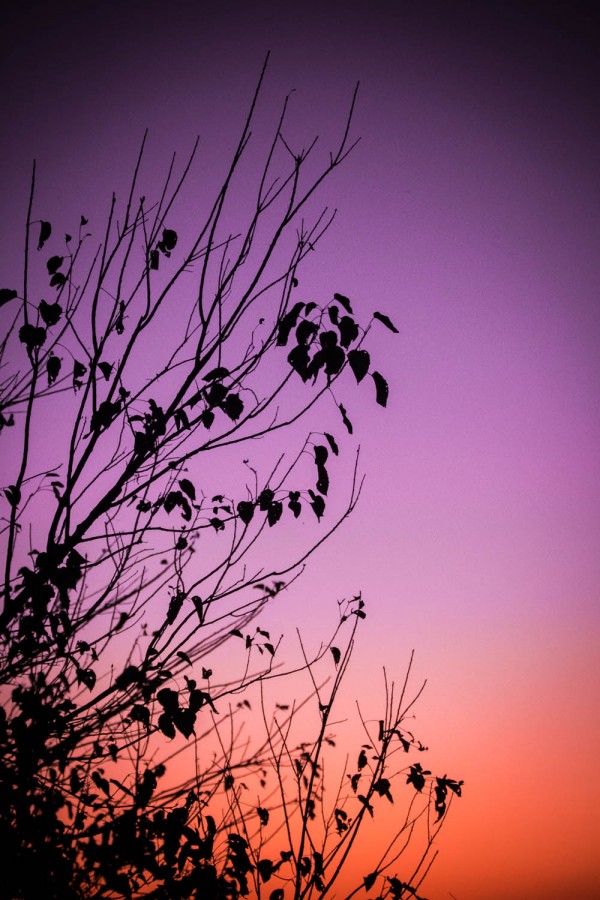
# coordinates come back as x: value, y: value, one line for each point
x: 136, y: 529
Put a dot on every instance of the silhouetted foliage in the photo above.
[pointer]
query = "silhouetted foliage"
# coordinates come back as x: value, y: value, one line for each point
x: 132, y: 558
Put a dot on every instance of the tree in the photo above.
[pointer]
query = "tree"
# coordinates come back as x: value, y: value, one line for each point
x: 127, y: 571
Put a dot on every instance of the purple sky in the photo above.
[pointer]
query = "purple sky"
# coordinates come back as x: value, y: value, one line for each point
x: 469, y: 214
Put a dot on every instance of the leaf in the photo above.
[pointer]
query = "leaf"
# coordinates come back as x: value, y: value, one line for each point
x: 184, y: 657
x: 322, y: 480
x: 335, y: 652
x: 188, y: 488
x: 348, y: 331
x: 331, y: 441
x: 362, y: 760
x: 299, y: 359
x: 165, y: 723
x: 106, y: 369
x: 386, y: 321
x: 52, y: 369
x: 45, y: 232
x: 343, y: 301
x: 207, y: 418
x: 270, y: 648
x: 13, y: 495
x: 369, y: 880
x: 287, y: 323
x: 321, y: 454
x: 245, y: 510
x: 181, y: 419
x: 359, y: 361
x: 237, y: 633
x: 169, y: 240
x: 382, y: 787
x: 294, y: 503
x: 32, y: 336
x: 233, y: 406
x: 50, y: 312
x: 54, y: 264
x: 57, y: 280
x: 154, y: 265
x: 305, y: 331
x: 274, y: 512
x: 345, y: 418
x: 381, y: 388
x: 6, y: 295
x: 318, y: 505
x: 217, y: 524
x: 334, y: 314
x: 265, y: 498
x: 217, y: 374
x: 79, y: 371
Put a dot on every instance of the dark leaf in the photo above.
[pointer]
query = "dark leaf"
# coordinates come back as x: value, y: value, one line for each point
x: 381, y: 388
x: 305, y: 331
x: 359, y: 361
x: 207, y: 418
x: 165, y: 723
x: 348, y: 331
x: 287, y: 323
x: 217, y: 524
x: 45, y: 232
x: 140, y: 713
x: 52, y: 369
x: 294, y: 503
x: 263, y: 815
x: 274, y: 512
x: 6, y: 295
x: 79, y: 371
x: 32, y: 336
x: 181, y: 419
x: 343, y: 301
x: 50, y: 312
x: 322, y: 480
x: 245, y: 510
x: 331, y: 441
x: 336, y: 654
x: 321, y: 454
x: 57, y: 280
x: 369, y: 880
x: 299, y: 359
x: 362, y: 760
x: 233, y: 406
x: 188, y: 488
x: 382, y: 787
x: 386, y: 321
x: 334, y: 314
x: 217, y: 374
x: 318, y: 505
x: 236, y: 633
x: 216, y: 393
x: 265, y: 498
x: 154, y: 259
x: 83, y: 221
x: 54, y: 264
x: 13, y: 494
x: 184, y: 657
x: 169, y: 240
x: 106, y: 369
x: 345, y: 418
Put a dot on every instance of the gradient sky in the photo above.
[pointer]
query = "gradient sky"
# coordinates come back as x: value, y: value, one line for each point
x: 468, y: 213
